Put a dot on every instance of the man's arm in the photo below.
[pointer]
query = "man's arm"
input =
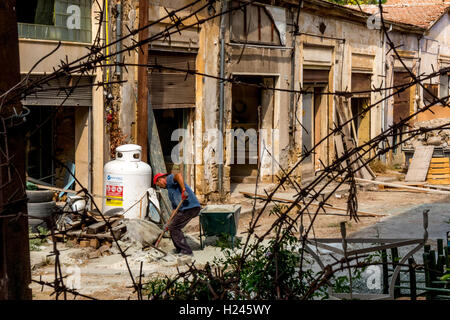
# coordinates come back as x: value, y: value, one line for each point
x: 179, y: 179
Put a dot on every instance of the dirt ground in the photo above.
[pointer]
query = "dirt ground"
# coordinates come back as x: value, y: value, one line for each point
x: 108, y: 279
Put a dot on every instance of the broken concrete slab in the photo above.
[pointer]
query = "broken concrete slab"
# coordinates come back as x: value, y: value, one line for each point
x: 141, y: 231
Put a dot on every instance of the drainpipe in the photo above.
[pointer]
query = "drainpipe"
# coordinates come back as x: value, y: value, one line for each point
x: 417, y: 95
x: 292, y: 96
x: 118, y: 36
x: 383, y: 110
x: 90, y: 148
x: 221, y: 91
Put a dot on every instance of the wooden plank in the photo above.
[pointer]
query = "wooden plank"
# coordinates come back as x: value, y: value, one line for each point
x: 440, y: 160
x: 81, y: 234
x: 367, y: 214
x: 350, y: 144
x: 438, y: 187
x: 96, y: 227
x: 440, y: 176
x: 340, y: 149
x: 420, y: 163
x: 403, y: 186
x: 437, y: 181
x: 142, y: 90
x: 156, y: 160
x: 439, y: 171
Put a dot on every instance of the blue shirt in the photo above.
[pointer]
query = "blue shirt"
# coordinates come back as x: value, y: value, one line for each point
x: 175, y: 195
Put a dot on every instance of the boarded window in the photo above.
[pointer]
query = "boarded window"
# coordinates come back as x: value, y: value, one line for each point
x: 429, y: 97
x: 170, y: 88
x: 254, y: 24
x: 401, y: 99
x: 361, y: 83
x: 65, y: 91
x: 315, y: 76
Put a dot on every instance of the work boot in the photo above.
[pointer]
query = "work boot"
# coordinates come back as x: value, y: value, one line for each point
x: 185, y: 254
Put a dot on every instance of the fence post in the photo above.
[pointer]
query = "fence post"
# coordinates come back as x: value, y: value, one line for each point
x: 447, y: 257
x: 412, y: 279
x: 440, y: 247
x: 395, y: 259
x: 432, y: 271
x: 426, y: 258
x: 385, y: 271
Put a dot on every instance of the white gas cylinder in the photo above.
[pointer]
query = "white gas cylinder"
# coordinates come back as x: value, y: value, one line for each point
x: 125, y: 183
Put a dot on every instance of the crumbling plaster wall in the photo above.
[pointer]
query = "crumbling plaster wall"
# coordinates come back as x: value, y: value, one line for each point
x: 203, y: 40
x: 125, y: 94
x: 344, y: 38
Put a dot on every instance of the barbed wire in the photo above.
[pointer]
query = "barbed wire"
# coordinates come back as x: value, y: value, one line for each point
x: 344, y: 167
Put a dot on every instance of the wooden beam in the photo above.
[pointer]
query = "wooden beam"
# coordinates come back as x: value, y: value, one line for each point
x: 141, y: 121
x: 360, y: 213
x: 394, y: 185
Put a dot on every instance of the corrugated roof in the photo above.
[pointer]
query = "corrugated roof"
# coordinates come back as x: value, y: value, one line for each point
x: 420, y: 13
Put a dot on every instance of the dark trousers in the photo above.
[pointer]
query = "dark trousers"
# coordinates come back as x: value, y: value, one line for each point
x: 179, y: 221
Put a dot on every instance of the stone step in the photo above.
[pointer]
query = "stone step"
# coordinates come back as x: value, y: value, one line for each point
x: 244, y: 170
x: 243, y: 179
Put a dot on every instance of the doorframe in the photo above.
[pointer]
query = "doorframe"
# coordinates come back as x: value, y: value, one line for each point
x: 275, y: 116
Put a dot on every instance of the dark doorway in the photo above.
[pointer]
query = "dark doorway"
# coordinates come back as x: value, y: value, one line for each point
x: 251, y: 111
x: 314, y: 113
x: 361, y: 122
x: 167, y: 121
x: 47, y: 136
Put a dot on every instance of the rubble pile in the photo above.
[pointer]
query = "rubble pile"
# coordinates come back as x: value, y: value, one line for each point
x: 91, y: 231
x: 438, y: 138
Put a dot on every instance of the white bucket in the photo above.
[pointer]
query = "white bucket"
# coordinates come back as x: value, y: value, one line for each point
x: 77, y: 203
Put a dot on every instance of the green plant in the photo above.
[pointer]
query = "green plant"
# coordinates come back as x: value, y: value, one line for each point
x: 377, y: 166
x: 37, y: 239
x: 446, y: 276
x: 341, y: 284
x: 338, y: 224
x: 269, y: 271
x: 224, y: 241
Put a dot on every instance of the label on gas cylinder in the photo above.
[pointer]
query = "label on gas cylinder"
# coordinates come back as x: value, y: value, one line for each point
x: 114, y: 191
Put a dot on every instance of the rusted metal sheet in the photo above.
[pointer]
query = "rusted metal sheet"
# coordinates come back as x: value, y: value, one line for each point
x: 315, y: 76
x: 401, y: 99
x: 254, y: 24
x: 361, y: 82
x: 171, y: 88
x: 66, y: 91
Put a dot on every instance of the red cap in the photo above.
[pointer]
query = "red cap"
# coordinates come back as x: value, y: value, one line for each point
x: 157, y: 176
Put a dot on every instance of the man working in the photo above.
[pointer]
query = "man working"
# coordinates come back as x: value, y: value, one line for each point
x: 189, y: 209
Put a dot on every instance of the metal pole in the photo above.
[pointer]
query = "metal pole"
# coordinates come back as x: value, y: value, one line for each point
x: 118, y: 36
x: 221, y: 94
